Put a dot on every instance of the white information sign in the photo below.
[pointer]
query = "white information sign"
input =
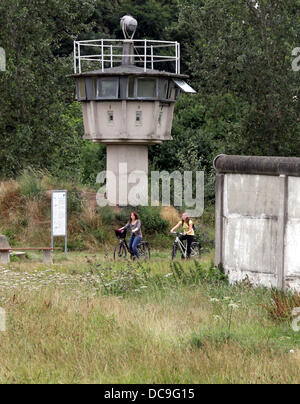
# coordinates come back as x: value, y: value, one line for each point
x: 59, y: 213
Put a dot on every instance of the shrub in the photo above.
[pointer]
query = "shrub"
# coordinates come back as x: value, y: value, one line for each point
x: 30, y: 182
x: 9, y: 196
x: 90, y: 218
x: 74, y: 202
x: 152, y: 220
x: 11, y: 237
x: 123, y: 215
x: 202, y: 235
x: 76, y: 245
x: 107, y: 215
x: 99, y: 235
x: 282, y: 304
x: 170, y: 214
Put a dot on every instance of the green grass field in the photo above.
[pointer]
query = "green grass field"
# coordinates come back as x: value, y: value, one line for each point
x: 101, y: 322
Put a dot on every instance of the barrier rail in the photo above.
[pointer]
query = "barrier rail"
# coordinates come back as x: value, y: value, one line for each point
x: 105, y: 52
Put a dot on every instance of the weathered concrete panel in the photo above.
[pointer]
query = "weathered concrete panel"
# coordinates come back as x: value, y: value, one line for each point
x: 292, y: 248
x: 294, y: 198
x: 261, y: 279
x: 250, y: 245
x: 260, y: 217
x: 134, y: 159
x: 250, y: 195
x: 116, y: 121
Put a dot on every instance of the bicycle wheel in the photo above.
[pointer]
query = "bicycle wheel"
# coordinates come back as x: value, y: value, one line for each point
x: 120, y: 252
x: 144, y: 250
x: 195, y: 250
x: 174, y: 250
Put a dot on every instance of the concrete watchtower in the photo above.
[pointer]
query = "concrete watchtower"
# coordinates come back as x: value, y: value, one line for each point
x: 127, y: 104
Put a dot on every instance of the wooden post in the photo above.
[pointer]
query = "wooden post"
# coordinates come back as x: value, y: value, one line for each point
x: 282, y: 221
x: 219, y: 219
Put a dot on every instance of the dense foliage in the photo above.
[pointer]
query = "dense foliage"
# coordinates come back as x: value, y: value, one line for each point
x: 238, y: 52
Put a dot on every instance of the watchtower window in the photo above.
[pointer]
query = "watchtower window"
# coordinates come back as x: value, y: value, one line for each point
x: 131, y: 82
x: 165, y: 88
x: 108, y: 88
x: 171, y: 91
x: 94, y: 88
x: 146, y: 88
x: 81, y: 89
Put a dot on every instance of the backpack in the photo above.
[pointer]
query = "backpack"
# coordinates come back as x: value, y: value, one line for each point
x: 194, y: 228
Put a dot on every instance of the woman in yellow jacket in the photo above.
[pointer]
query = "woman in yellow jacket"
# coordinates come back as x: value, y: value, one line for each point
x: 188, y: 232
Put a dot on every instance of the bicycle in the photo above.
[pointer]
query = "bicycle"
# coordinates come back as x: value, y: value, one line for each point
x: 195, y: 248
x: 121, y: 250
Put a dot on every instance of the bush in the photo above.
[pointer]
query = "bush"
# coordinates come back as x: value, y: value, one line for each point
x: 11, y: 237
x: 170, y: 214
x: 282, y: 305
x: 76, y: 245
x: 99, y: 235
x: 202, y: 235
x: 74, y: 202
x: 92, y: 162
x: 30, y: 182
x: 107, y: 215
x: 123, y: 215
x: 152, y: 220
x: 9, y: 197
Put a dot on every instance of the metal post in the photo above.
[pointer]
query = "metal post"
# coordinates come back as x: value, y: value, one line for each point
x: 179, y: 57
x: 145, y: 61
x: 52, y: 236
x: 111, y: 56
x: 176, y: 53
x: 152, y: 64
x: 79, y: 57
x: 102, y: 53
x: 75, y: 58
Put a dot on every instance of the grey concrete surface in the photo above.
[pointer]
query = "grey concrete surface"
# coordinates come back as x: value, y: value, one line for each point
x: 258, y: 228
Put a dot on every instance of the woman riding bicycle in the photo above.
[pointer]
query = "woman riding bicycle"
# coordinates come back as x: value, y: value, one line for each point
x: 135, y: 226
x: 188, y: 232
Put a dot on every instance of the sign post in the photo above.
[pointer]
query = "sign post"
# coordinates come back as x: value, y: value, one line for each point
x: 59, y: 221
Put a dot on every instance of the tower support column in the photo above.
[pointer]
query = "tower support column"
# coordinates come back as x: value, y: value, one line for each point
x: 127, y: 175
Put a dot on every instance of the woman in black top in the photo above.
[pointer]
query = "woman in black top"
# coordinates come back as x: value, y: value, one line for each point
x: 135, y: 226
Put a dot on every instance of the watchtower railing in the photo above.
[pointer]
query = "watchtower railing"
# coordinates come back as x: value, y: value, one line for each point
x: 109, y: 53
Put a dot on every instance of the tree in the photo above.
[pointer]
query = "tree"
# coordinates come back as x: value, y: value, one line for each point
x: 34, y: 90
x: 242, y: 50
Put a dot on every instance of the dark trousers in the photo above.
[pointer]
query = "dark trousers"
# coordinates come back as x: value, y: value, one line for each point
x: 189, y: 241
x: 133, y: 245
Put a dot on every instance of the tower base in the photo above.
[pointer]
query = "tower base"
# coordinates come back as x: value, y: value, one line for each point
x: 127, y: 175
